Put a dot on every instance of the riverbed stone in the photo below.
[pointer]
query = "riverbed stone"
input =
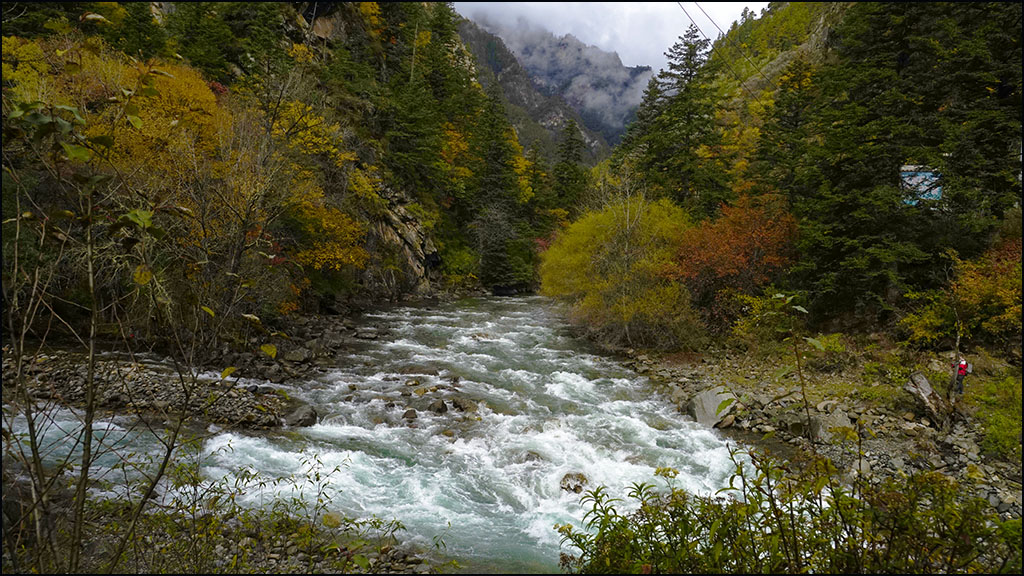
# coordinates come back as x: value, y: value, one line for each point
x: 726, y: 422
x: 298, y: 355
x: 410, y: 414
x: 304, y: 415
x: 438, y: 406
x: 707, y: 406
x: 822, y: 426
x: 464, y: 404
x: 574, y: 482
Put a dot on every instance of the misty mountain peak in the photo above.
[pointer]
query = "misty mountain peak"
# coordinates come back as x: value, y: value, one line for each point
x: 595, y: 82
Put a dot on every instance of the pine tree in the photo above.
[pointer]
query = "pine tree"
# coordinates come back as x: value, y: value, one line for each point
x: 503, y: 261
x: 570, y: 176
x: 675, y: 136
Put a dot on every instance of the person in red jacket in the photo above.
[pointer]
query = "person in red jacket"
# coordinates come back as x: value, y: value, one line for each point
x: 961, y: 373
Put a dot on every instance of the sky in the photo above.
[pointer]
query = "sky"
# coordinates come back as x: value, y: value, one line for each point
x: 640, y: 32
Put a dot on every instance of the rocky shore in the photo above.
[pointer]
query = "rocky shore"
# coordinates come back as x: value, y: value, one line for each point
x: 744, y: 399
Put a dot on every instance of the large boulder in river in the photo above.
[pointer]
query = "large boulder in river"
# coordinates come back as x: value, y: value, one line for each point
x: 573, y: 482
x: 304, y: 415
x: 707, y: 407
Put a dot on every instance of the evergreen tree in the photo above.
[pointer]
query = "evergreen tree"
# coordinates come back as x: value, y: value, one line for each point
x: 139, y: 32
x: 650, y: 108
x: 934, y: 85
x: 570, y: 175
x: 674, y: 138
x: 504, y: 263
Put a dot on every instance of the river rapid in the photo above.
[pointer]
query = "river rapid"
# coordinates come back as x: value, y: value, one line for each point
x: 486, y: 481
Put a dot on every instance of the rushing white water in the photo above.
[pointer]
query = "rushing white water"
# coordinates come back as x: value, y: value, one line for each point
x: 548, y: 406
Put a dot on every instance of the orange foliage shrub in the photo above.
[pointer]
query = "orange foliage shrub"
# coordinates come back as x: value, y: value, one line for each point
x: 739, y: 251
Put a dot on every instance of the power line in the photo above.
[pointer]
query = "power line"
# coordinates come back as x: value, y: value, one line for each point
x: 724, y: 59
x: 738, y: 47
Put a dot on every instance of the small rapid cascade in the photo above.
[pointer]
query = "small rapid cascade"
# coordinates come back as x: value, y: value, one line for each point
x: 525, y: 404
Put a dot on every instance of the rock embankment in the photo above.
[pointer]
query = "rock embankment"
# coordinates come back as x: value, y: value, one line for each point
x: 149, y: 387
x: 894, y: 439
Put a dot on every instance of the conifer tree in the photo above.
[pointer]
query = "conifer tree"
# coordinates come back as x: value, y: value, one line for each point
x: 504, y: 264
x: 570, y: 176
x: 675, y: 135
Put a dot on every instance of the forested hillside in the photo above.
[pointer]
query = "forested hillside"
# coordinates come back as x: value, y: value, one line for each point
x: 264, y: 159
x: 808, y: 236
x: 865, y: 157
x: 540, y: 119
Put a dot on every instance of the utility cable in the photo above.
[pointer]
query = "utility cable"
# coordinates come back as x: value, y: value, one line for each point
x: 738, y: 47
x: 724, y: 59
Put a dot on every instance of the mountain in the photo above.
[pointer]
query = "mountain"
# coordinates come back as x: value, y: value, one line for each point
x: 539, y: 117
x: 599, y: 87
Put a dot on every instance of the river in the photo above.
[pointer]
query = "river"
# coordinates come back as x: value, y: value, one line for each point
x: 487, y: 481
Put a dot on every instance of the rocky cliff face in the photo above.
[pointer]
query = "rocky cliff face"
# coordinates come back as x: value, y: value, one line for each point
x: 537, y: 117
x: 404, y: 259
x: 596, y: 85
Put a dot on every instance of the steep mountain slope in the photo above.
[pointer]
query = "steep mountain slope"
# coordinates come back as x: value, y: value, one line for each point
x: 605, y: 92
x: 538, y: 117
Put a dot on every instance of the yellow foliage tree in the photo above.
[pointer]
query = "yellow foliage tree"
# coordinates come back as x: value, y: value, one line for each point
x: 609, y: 266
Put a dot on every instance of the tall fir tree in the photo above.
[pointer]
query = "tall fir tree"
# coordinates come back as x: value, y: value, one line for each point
x: 675, y: 137
x: 570, y: 176
x: 935, y: 86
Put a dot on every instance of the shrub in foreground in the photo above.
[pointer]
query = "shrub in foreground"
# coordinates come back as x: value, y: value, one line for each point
x: 780, y: 521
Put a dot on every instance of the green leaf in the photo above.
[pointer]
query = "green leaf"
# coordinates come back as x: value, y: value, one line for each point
x: 269, y: 350
x: 252, y: 318
x: 724, y: 404
x: 142, y: 275
x: 141, y: 218
x: 102, y: 140
x: 74, y: 112
x: 209, y: 311
x: 782, y: 372
x: 800, y: 309
x: 76, y: 153
x: 227, y: 372
x: 815, y: 342
x: 361, y: 561
x: 135, y: 121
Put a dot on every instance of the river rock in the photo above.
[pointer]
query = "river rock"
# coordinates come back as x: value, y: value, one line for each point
x: 304, y: 415
x: 438, y: 406
x: 573, y: 482
x: 822, y: 426
x: 298, y: 355
x: 410, y: 414
x: 936, y: 406
x: 464, y: 404
x: 706, y: 407
x: 726, y: 422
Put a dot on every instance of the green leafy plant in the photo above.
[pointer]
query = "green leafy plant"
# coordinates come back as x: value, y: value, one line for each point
x: 774, y: 519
